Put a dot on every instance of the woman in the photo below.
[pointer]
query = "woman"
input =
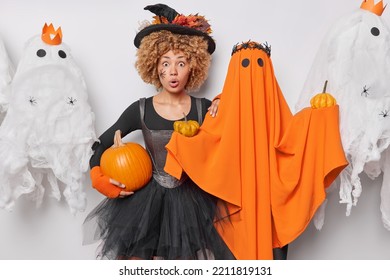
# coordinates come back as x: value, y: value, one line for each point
x: 168, y: 218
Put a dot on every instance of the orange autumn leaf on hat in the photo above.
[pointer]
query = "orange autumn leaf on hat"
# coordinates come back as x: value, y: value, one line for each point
x: 159, y: 20
x: 193, y: 21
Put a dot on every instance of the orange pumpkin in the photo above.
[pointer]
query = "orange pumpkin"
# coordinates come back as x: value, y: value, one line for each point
x: 323, y: 99
x: 186, y: 128
x: 128, y: 163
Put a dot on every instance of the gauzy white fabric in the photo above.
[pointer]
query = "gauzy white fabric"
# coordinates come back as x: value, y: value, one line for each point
x: 48, y: 131
x: 6, y: 74
x: 355, y: 58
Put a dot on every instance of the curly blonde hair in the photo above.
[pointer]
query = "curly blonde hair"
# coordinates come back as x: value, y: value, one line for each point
x: 158, y: 43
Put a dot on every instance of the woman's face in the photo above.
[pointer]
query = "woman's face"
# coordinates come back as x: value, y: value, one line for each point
x: 174, y: 71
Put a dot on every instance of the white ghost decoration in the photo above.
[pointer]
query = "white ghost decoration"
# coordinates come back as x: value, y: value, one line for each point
x: 6, y: 74
x: 48, y: 130
x: 355, y: 58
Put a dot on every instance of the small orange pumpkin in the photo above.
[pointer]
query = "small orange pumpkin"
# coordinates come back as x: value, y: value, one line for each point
x: 323, y: 99
x: 186, y: 128
x: 128, y: 163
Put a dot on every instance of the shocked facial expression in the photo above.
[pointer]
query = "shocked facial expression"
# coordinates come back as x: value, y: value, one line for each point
x: 174, y: 71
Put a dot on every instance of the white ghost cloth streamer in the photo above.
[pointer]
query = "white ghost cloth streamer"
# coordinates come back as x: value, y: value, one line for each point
x: 6, y: 74
x: 355, y: 59
x: 48, y: 131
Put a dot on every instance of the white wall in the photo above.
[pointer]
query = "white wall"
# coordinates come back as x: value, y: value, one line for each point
x: 100, y: 34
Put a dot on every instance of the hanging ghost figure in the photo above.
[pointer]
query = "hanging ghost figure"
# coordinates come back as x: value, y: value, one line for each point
x: 48, y: 130
x: 6, y: 74
x: 355, y: 58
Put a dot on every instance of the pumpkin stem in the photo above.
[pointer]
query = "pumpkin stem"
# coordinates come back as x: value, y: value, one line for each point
x: 118, y: 139
x: 185, y: 117
x: 325, y: 85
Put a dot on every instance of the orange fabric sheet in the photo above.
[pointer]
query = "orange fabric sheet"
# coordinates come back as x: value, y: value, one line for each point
x: 270, y: 167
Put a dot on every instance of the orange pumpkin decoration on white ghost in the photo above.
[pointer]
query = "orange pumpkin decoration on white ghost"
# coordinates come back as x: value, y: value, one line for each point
x: 128, y: 163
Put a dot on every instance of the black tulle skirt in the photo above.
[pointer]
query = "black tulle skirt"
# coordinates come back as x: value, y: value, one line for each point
x: 157, y: 223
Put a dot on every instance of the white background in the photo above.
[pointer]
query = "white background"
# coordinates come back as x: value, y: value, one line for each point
x: 100, y: 34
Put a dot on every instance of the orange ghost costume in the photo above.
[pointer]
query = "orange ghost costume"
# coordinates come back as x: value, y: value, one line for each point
x: 271, y: 168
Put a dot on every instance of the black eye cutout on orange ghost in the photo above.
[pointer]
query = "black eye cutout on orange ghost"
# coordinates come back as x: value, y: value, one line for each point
x: 260, y: 62
x: 245, y: 62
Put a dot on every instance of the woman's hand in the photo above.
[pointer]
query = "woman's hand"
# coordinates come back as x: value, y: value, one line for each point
x: 107, y: 186
x: 122, y: 194
x: 213, y: 109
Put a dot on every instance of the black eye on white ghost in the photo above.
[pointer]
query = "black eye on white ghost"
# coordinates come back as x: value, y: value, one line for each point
x: 42, y: 53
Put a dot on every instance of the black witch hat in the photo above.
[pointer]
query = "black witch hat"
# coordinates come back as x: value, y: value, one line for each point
x: 168, y: 19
